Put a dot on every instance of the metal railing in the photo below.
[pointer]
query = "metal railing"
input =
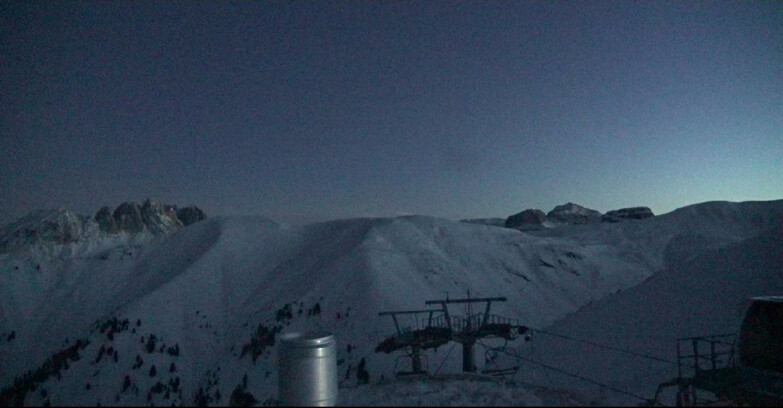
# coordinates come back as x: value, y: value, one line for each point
x: 709, y: 353
x: 472, y: 323
x: 495, y: 319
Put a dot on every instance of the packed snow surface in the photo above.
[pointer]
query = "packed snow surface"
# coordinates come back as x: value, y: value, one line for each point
x: 221, y: 289
x: 455, y: 390
x: 706, y: 294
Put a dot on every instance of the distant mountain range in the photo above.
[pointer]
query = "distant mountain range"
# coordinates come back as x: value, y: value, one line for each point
x: 141, y: 310
x: 62, y: 226
x: 566, y: 214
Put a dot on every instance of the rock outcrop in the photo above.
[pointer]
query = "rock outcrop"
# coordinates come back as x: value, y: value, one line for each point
x: 132, y: 217
x: 631, y: 213
x: 571, y: 213
x: 530, y: 218
x: 63, y: 226
x: 190, y: 215
x: 106, y: 221
x: 55, y: 227
x: 158, y: 218
x: 128, y: 217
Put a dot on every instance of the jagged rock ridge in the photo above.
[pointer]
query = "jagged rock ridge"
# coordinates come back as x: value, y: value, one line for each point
x: 53, y: 226
x: 106, y: 221
x: 190, y: 215
x: 62, y: 226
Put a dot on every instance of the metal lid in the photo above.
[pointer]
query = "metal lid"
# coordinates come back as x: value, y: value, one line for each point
x: 312, y: 338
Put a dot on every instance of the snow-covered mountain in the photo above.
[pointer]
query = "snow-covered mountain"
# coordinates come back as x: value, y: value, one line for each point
x: 203, y: 304
x: 497, y: 222
x: 65, y: 233
x: 725, y: 254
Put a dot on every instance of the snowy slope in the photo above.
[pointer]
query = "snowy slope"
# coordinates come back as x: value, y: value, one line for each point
x: 455, y: 390
x: 210, y: 288
x: 701, y: 294
x: 210, y: 285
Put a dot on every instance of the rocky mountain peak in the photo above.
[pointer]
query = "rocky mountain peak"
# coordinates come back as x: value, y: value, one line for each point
x: 630, y: 213
x: 127, y: 216
x: 571, y: 213
x: 105, y: 220
x: 58, y: 227
x: 530, y: 218
x: 159, y: 218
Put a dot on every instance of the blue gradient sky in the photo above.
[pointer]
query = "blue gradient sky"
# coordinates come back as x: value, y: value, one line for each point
x: 307, y: 111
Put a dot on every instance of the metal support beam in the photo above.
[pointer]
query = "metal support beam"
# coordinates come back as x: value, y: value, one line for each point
x: 468, y: 358
x: 416, y: 359
x: 444, y: 302
x: 447, y: 317
x: 471, y: 300
x: 486, y: 315
x: 464, y: 330
x: 407, y: 312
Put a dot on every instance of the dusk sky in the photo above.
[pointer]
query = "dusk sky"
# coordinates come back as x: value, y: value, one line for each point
x: 308, y: 111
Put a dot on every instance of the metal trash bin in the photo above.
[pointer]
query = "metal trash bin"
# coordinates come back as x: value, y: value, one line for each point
x: 307, y: 369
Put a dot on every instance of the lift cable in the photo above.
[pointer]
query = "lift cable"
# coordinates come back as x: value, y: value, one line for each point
x: 617, y: 349
x: 487, y: 350
x: 534, y: 353
x: 444, y: 359
x: 607, y: 386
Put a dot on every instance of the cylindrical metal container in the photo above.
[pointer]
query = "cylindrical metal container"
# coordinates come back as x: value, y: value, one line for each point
x: 307, y: 374
x: 761, y: 335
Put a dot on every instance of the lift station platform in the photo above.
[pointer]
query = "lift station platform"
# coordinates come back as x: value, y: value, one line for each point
x: 443, y: 326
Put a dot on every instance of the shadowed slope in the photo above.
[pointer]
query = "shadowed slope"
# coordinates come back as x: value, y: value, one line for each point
x: 706, y: 294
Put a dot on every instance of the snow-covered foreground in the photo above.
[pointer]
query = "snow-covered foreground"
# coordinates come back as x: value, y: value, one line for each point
x: 455, y: 390
x: 204, y: 305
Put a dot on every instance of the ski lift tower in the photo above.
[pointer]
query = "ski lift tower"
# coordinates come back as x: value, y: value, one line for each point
x: 417, y: 339
x: 471, y: 327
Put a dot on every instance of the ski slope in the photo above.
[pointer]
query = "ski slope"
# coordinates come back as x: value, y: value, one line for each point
x: 212, y: 287
x: 705, y: 289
